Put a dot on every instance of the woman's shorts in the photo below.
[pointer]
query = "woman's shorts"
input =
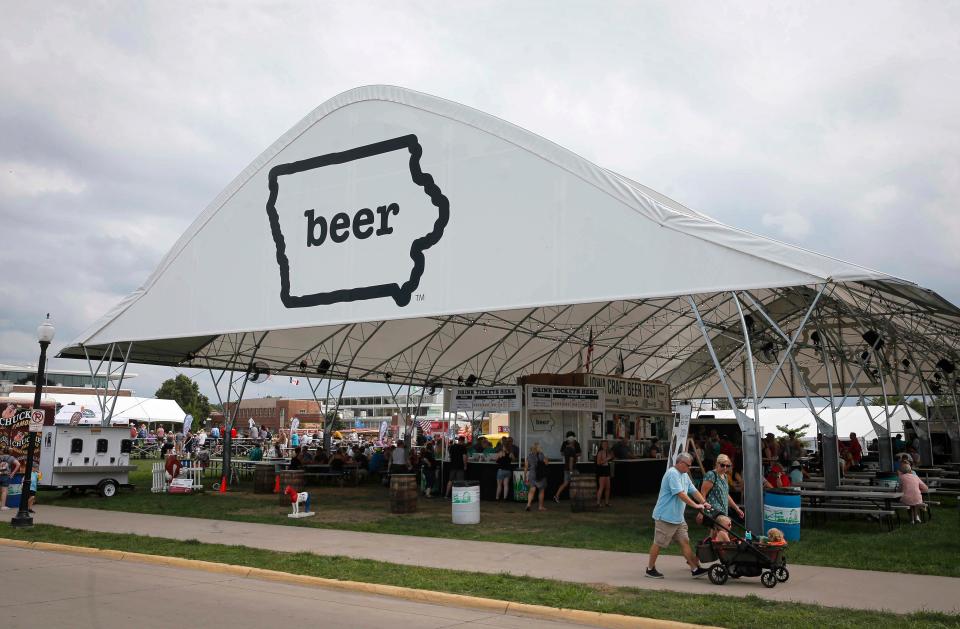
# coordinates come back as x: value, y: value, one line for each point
x: 504, y: 474
x: 456, y: 476
x: 533, y: 482
x: 603, y: 472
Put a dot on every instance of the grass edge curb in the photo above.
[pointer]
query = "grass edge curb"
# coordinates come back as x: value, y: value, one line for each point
x: 601, y: 619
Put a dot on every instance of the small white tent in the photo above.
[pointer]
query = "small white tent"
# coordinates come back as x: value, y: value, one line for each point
x: 128, y: 409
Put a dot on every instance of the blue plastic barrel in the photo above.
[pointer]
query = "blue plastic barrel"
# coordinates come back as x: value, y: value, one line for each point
x: 781, y: 510
x: 13, y: 492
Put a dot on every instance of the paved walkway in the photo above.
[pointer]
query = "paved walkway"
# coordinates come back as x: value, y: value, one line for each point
x: 50, y: 589
x: 835, y: 587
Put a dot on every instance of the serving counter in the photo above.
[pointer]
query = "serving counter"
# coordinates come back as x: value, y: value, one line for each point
x: 630, y: 477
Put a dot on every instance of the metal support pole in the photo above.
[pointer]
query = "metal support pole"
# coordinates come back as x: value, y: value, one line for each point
x: 752, y: 455
x: 884, y: 442
x: 829, y: 447
x: 23, y: 519
x: 750, y: 438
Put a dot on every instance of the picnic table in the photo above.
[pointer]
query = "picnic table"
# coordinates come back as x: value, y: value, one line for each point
x: 873, y: 501
x: 321, y: 471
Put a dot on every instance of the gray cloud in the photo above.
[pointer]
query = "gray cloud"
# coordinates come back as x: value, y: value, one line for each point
x: 832, y: 126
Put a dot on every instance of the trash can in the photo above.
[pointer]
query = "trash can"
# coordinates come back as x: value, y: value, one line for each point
x: 781, y: 510
x: 520, y: 488
x: 13, y: 491
x: 466, y: 502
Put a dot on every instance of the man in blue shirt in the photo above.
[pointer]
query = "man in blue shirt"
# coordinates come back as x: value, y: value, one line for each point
x: 669, y: 525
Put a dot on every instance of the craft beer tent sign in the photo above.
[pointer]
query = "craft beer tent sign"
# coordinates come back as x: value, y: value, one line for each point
x: 363, y: 229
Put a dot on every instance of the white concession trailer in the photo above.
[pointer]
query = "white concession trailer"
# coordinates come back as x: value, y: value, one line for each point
x: 81, y: 457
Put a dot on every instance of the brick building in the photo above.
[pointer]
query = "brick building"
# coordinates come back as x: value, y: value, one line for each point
x: 275, y: 412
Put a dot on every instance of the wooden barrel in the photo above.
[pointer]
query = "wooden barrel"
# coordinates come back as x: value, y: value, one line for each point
x: 583, y: 492
x: 263, y: 479
x: 403, y: 493
x: 294, y: 478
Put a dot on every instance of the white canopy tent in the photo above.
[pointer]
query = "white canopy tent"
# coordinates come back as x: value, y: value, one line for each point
x: 354, y: 226
x: 128, y: 409
x: 849, y: 419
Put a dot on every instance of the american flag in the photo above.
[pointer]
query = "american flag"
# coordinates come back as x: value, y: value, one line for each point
x: 295, y: 381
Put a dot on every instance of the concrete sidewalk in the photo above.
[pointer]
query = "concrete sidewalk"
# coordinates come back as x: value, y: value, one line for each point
x: 835, y: 587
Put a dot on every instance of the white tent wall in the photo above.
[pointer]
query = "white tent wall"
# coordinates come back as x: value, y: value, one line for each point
x: 849, y: 419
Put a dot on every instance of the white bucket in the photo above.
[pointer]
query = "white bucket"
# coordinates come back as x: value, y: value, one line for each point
x: 466, y: 503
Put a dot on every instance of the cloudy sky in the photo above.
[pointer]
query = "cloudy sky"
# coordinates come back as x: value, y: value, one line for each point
x: 830, y: 125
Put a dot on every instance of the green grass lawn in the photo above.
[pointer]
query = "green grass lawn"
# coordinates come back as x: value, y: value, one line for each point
x: 727, y: 611
x: 928, y: 549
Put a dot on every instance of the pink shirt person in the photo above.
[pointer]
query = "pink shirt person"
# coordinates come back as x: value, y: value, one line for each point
x: 911, y: 486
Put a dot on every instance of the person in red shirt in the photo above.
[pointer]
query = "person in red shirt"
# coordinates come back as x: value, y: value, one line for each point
x: 233, y: 433
x: 777, y: 477
x: 172, y: 466
x: 855, y: 448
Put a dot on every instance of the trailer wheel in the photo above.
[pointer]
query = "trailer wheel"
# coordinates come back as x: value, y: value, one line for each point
x: 107, y: 488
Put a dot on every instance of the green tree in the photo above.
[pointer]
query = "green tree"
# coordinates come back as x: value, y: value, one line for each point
x: 186, y: 393
x: 334, y: 421
x: 723, y: 404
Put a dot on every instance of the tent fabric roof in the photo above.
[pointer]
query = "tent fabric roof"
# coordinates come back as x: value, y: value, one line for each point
x: 128, y: 408
x: 492, y: 252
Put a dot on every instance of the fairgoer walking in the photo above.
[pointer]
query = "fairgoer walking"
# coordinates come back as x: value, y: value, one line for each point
x: 669, y: 525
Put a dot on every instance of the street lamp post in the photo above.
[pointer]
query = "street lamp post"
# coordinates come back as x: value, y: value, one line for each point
x: 45, y: 332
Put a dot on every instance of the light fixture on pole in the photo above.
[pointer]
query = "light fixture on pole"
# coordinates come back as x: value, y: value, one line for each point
x: 45, y: 332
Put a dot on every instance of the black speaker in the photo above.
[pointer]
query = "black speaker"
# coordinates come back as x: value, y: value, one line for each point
x: 323, y: 367
x: 945, y: 365
x: 873, y: 339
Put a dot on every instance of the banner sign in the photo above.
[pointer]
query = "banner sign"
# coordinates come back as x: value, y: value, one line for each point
x: 497, y: 399
x: 681, y: 428
x: 627, y: 394
x: 15, y: 431
x: 549, y: 398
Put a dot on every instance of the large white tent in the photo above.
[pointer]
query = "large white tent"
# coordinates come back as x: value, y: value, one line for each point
x: 569, y: 248
x: 358, y: 232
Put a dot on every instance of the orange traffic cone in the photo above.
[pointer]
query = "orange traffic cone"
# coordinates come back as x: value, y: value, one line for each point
x: 276, y: 484
x: 223, y: 485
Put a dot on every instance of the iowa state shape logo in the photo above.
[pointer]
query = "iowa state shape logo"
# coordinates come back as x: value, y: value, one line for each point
x: 354, y: 225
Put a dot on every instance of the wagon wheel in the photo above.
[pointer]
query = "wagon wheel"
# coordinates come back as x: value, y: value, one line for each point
x: 768, y: 579
x: 782, y: 574
x: 717, y: 574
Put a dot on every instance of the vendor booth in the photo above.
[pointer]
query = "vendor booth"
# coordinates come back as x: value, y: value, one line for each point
x: 632, y: 415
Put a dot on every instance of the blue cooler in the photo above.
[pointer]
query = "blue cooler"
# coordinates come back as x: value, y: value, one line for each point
x: 13, y: 491
x: 781, y: 510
